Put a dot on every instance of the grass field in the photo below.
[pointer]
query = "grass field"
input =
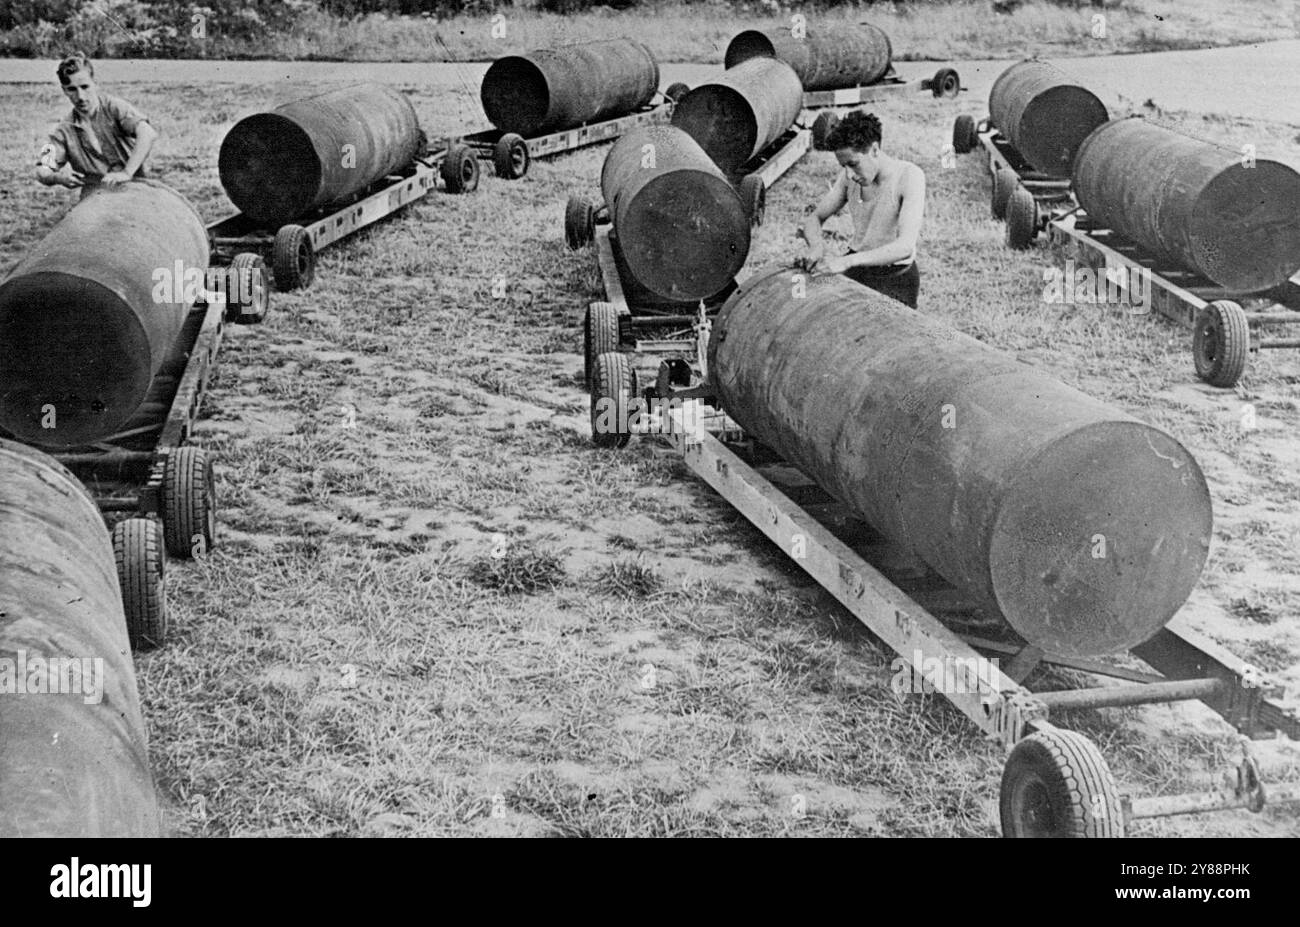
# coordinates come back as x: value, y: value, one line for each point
x: 355, y: 660
x: 699, y: 32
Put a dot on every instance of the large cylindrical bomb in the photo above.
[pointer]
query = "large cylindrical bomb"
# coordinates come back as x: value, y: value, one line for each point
x: 87, y: 318
x: 679, y: 221
x: 1045, y: 113
x: 1084, y: 527
x: 552, y: 89
x: 1192, y: 203
x: 312, y: 152
x: 736, y: 115
x: 851, y: 56
x: 74, y: 761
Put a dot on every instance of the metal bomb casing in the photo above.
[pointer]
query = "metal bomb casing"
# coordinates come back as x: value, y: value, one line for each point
x: 848, y: 56
x: 741, y: 112
x: 1045, y: 113
x: 1193, y: 203
x: 1085, y: 528
x: 84, y: 322
x: 71, y: 766
x: 552, y: 89
x: 279, y: 165
x: 679, y: 222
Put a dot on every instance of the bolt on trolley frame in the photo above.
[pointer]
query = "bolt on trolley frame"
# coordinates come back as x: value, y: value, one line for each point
x: 1227, y: 325
x: 1025, y: 198
x: 292, y: 248
x: 1055, y: 782
x: 512, y: 154
x: 156, y: 491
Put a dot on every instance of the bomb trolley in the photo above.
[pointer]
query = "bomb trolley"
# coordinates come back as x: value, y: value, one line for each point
x: 1025, y: 198
x: 292, y: 249
x: 1055, y: 782
x: 945, y: 84
x: 512, y: 154
x: 629, y: 311
x: 156, y: 490
x: 1227, y: 325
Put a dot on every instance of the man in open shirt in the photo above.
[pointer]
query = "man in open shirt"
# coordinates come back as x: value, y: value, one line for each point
x: 885, y: 197
x: 104, y: 141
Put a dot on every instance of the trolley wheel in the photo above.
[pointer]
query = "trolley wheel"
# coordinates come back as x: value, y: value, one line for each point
x: 1004, y: 182
x: 600, y: 335
x: 460, y: 169
x: 1056, y: 784
x: 753, y: 194
x: 189, y: 503
x: 676, y: 91
x: 822, y: 126
x: 963, y: 134
x: 248, y: 283
x: 579, y: 222
x: 613, y: 388
x: 510, y: 157
x: 1221, y: 343
x: 141, y: 563
x: 945, y: 83
x: 293, y: 260
x: 1022, y: 219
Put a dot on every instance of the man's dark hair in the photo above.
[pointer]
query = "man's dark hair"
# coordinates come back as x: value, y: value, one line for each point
x: 72, y: 64
x: 857, y: 130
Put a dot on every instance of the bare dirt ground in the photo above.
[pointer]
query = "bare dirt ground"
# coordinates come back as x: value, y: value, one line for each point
x: 354, y: 659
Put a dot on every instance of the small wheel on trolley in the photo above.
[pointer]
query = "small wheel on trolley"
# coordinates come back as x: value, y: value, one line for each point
x: 579, y: 222
x: 460, y: 169
x: 141, y: 564
x: 600, y: 335
x: 753, y: 195
x: 964, y: 136
x: 1221, y: 343
x: 613, y: 390
x: 1022, y: 219
x: 676, y: 91
x: 247, y: 294
x: 945, y: 83
x: 1056, y: 784
x: 1004, y: 182
x: 510, y: 156
x: 293, y: 259
x: 189, y: 502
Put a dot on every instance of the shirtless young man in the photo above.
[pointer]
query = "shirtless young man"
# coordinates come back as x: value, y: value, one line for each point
x: 885, y: 197
x: 103, y: 141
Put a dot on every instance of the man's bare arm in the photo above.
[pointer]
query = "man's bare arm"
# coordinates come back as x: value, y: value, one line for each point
x: 145, y: 136
x: 49, y: 168
x: 831, y: 203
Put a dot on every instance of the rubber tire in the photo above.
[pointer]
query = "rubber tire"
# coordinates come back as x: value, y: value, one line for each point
x: 1221, y: 343
x: 945, y: 83
x: 1022, y: 219
x: 579, y: 222
x: 189, y: 503
x: 753, y: 196
x: 141, y: 566
x: 1004, y: 183
x: 677, y: 90
x: 826, y: 121
x: 293, y: 259
x: 1062, y: 776
x: 963, y: 134
x: 600, y: 335
x: 613, y: 379
x: 252, y: 312
x: 460, y: 169
x: 510, y: 157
